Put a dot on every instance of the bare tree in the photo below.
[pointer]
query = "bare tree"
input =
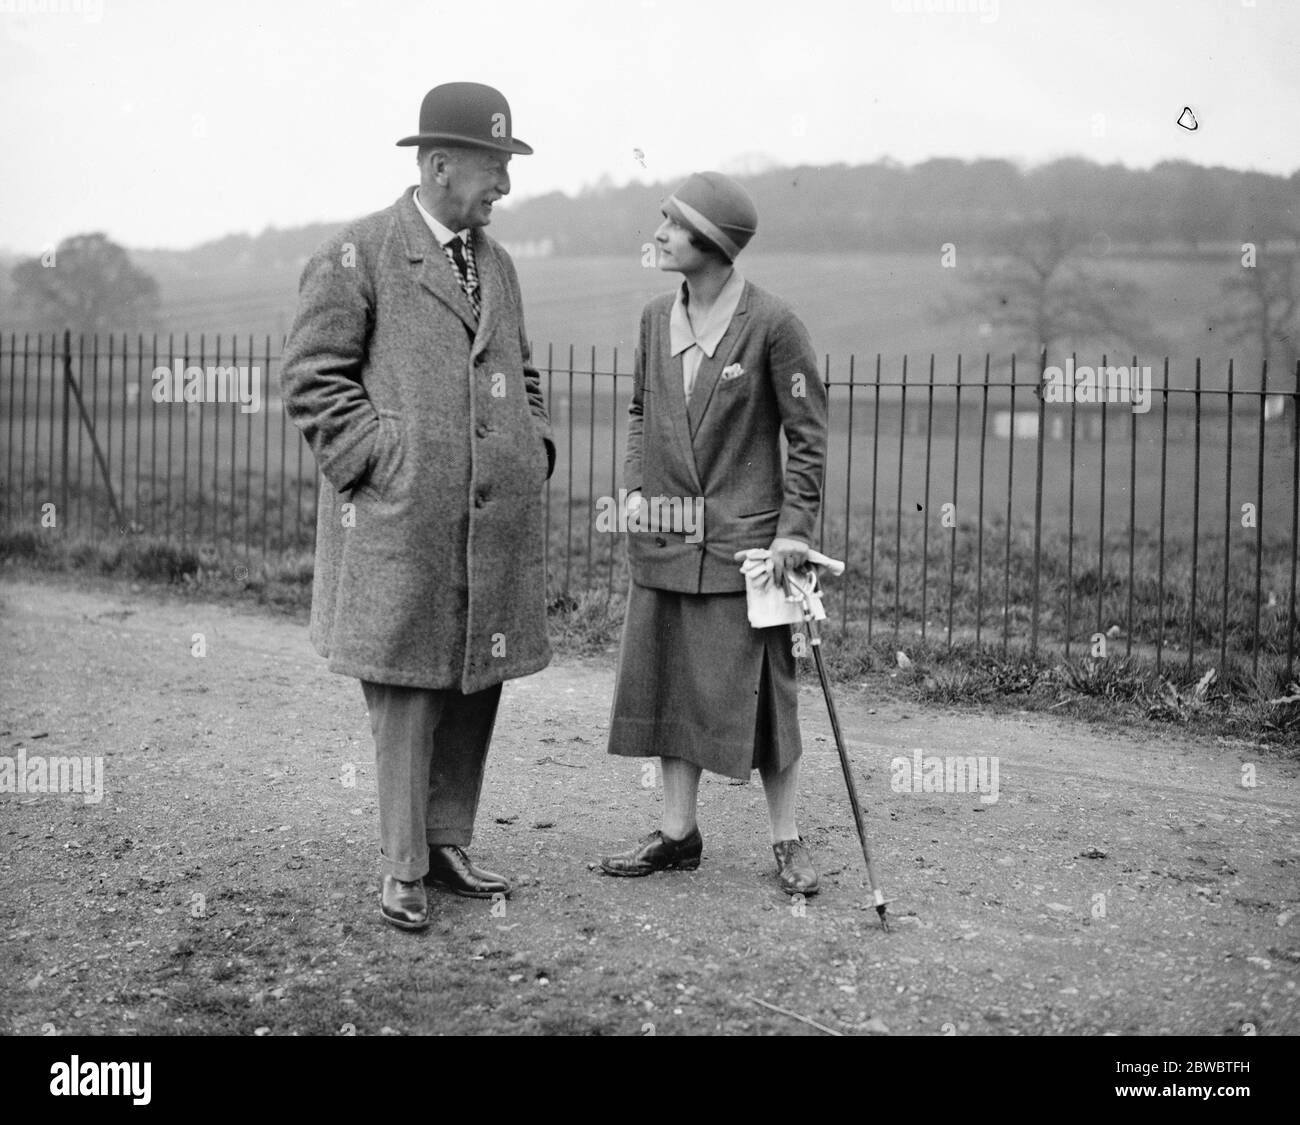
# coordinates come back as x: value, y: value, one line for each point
x: 1262, y: 310
x: 1262, y: 313
x: 1038, y: 291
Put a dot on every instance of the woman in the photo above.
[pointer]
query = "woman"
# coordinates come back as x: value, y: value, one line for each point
x: 722, y: 369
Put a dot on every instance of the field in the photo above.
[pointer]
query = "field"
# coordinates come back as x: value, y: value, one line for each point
x: 852, y: 304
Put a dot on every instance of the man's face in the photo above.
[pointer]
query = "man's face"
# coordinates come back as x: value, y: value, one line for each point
x: 475, y: 178
x: 675, y: 250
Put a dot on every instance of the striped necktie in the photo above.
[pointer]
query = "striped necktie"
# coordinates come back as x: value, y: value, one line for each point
x: 462, y: 257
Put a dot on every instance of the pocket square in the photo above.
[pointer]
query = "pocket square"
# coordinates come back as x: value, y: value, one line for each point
x: 735, y: 371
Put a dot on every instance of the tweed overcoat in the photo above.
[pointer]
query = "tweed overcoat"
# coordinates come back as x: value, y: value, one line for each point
x: 433, y: 444
x: 723, y: 446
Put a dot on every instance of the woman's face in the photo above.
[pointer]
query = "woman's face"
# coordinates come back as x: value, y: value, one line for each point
x: 675, y: 250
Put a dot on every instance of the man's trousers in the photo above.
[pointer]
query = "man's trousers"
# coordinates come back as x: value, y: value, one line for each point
x: 430, y: 749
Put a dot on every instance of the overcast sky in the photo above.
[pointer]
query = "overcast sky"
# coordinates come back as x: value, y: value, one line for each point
x: 169, y: 123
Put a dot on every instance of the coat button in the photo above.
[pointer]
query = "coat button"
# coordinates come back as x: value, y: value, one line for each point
x: 479, y: 499
x: 482, y: 429
x: 660, y: 541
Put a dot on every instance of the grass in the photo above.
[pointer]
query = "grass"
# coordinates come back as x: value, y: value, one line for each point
x: 903, y: 584
x: 1260, y: 705
x: 282, y: 583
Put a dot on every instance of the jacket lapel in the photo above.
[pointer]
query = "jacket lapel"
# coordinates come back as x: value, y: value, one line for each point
x: 435, y: 272
x: 706, y: 381
x: 670, y: 391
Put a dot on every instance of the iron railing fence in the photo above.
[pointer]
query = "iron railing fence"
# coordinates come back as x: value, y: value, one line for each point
x: 969, y: 506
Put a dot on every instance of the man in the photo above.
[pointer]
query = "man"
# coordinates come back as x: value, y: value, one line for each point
x: 723, y: 369
x: 408, y: 372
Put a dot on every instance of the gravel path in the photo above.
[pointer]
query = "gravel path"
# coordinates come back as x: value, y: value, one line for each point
x: 228, y: 879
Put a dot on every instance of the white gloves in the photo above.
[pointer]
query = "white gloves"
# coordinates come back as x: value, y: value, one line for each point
x: 769, y: 604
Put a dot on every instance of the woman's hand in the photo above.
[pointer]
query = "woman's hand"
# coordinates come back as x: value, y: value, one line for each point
x: 791, y: 553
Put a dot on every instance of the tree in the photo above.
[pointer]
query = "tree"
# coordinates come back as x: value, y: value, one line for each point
x: 1263, y: 303
x: 1039, y: 293
x: 1262, y: 312
x: 88, y: 284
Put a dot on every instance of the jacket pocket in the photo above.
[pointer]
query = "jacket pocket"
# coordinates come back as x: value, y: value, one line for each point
x: 727, y: 386
x: 543, y: 459
x: 390, y: 450
x: 743, y: 532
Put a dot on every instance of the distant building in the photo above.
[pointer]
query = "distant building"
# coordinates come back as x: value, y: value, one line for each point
x: 539, y: 248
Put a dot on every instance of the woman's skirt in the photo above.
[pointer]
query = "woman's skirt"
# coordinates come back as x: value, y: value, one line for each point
x: 696, y: 681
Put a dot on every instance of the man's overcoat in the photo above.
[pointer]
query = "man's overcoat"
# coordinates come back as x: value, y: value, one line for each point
x: 433, y: 444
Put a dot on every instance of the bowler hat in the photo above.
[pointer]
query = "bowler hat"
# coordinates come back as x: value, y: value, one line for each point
x: 467, y: 113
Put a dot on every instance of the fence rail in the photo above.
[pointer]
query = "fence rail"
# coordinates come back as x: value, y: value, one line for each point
x: 969, y: 504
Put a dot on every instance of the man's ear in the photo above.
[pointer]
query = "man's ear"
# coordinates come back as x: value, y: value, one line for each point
x: 434, y: 164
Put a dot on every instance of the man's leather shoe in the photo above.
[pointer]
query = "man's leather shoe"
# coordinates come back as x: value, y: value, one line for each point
x: 656, y: 852
x: 404, y: 905
x: 451, y: 870
x: 794, y: 867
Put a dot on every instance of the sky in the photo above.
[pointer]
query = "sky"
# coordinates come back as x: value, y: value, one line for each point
x: 166, y: 123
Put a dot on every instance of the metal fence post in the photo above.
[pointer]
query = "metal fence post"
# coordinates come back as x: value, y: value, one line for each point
x: 1196, y: 522
x: 1259, y: 516
x: 1295, y: 519
x: 952, y: 538
x: 1227, y: 536
x: 67, y: 421
x: 1038, y: 500
x: 1160, y: 566
x: 71, y: 384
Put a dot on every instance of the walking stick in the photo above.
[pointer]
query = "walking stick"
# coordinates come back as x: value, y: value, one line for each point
x: 815, y: 641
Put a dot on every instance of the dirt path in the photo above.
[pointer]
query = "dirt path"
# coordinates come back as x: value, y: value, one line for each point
x: 228, y: 880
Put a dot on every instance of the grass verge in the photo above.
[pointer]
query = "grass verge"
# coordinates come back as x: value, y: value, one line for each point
x: 1260, y: 706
